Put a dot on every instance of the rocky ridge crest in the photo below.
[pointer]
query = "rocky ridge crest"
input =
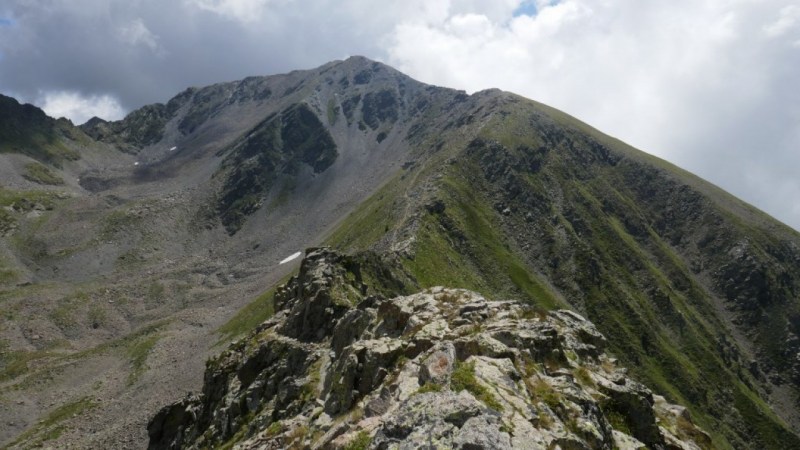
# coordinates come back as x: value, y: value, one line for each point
x: 340, y: 367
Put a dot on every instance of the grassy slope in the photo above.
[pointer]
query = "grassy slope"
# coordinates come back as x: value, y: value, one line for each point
x: 26, y: 129
x: 251, y: 315
x: 634, y: 286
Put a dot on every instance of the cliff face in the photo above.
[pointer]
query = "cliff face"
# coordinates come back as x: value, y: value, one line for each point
x: 341, y: 366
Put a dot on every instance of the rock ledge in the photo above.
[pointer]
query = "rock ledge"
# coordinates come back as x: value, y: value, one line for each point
x: 443, y: 368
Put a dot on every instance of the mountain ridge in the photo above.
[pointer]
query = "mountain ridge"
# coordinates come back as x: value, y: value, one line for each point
x: 489, y: 192
x: 443, y: 365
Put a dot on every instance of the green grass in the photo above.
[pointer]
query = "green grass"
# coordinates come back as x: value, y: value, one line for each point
x: 437, y: 263
x: 21, y: 202
x: 65, y: 412
x: 136, y: 347
x: 429, y: 387
x: 41, y: 174
x: 14, y: 364
x: 50, y: 427
x: 680, y: 360
x: 463, y: 378
x: 360, y: 442
x: 250, y: 316
x: 96, y: 315
x: 42, y: 144
x: 375, y: 217
x: 618, y: 422
x: 117, y: 221
x: 541, y: 390
x: 65, y: 314
x: 487, y: 264
x: 9, y: 197
x: 583, y: 376
x: 155, y: 292
x: 138, y: 351
x: 772, y: 431
x: 126, y: 343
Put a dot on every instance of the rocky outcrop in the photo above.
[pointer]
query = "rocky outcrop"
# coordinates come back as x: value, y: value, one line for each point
x: 337, y: 367
x: 142, y: 127
x: 279, y: 145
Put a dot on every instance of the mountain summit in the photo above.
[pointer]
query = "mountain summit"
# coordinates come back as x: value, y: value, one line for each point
x: 133, y: 250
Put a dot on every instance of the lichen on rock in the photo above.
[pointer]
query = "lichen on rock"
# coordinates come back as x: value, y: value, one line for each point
x: 442, y: 367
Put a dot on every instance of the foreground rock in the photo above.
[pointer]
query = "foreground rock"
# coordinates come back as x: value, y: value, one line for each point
x: 339, y: 368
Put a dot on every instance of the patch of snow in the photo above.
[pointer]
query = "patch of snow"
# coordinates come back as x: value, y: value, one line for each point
x: 291, y: 257
x: 136, y: 163
x: 173, y: 149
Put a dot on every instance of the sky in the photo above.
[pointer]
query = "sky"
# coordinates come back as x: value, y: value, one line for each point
x: 710, y: 85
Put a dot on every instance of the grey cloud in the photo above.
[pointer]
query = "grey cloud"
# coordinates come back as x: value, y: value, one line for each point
x: 65, y: 45
x: 730, y: 112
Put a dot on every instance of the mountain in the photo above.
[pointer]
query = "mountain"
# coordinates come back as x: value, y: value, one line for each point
x: 162, y: 245
x: 28, y: 130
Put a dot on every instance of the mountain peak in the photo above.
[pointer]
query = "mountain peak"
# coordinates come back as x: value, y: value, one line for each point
x: 184, y: 213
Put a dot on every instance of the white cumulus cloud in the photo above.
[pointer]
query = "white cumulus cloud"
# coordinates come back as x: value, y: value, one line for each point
x: 79, y: 108
x: 710, y: 86
x: 136, y: 33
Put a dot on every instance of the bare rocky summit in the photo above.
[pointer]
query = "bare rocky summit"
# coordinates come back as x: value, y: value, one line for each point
x: 337, y: 367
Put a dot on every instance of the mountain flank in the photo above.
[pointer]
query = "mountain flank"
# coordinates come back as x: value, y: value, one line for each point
x: 132, y: 251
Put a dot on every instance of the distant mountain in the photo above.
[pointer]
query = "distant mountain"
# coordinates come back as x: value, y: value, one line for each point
x: 26, y: 129
x: 119, y: 281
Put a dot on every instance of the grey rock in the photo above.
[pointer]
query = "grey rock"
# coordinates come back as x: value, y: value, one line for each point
x: 482, y: 433
x: 437, y: 367
x: 443, y: 368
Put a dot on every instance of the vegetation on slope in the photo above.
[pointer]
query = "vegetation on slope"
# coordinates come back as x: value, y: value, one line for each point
x: 536, y: 206
x: 26, y: 129
x: 41, y: 174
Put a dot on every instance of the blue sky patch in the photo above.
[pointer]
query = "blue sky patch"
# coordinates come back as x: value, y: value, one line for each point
x: 527, y: 8
x: 6, y: 22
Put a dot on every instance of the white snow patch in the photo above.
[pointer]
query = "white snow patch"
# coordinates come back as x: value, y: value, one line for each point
x: 291, y: 257
x: 136, y: 163
x: 173, y: 149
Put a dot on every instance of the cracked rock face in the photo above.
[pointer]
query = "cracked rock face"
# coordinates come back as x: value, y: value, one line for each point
x: 443, y: 368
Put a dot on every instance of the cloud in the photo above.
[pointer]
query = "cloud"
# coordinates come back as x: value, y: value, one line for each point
x: 242, y: 10
x: 249, y: 12
x: 787, y: 20
x: 709, y: 85
x: 79, y: 108
x: 136, y: 33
